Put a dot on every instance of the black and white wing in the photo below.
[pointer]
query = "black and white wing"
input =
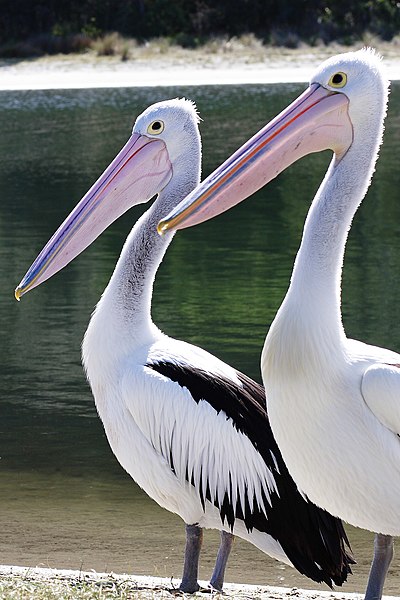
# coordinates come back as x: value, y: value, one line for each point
x: 210, y: 425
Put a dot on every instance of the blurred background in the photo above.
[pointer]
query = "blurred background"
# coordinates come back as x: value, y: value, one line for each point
x: 121, y: 26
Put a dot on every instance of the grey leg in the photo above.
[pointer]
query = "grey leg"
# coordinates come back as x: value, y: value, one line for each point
x: 194, y: 539
x: 383, y: 554
x: 225, y: 547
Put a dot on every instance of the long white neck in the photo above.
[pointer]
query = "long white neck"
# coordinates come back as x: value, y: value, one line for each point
x: 316, y: 277
x: 309, y: 320
x: 122, y: 319
x: 127, y: 297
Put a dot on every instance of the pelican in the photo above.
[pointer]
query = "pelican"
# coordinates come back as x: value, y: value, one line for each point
x: 329, y: 397
x: 190, y: 430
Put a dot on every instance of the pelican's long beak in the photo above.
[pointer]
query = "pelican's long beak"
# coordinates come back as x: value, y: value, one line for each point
x: 140, y: 170
x: 316, y: 121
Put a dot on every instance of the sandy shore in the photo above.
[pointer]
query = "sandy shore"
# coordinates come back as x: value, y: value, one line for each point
x: 178, y: 67
x: 155, y: 587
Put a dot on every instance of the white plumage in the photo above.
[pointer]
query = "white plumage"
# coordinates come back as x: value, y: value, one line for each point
x: 334, y: 403
x: 190, y: 430
x: 148, y: 417
x: 330, y: 396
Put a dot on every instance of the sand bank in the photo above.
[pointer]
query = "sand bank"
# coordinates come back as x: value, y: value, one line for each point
x: 179, y: 69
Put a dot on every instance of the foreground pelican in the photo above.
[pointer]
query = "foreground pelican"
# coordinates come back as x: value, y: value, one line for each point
x: 328, y: 396
x: 191, y: 431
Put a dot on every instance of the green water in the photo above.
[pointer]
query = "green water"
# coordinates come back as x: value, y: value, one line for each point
x: 65, y: 502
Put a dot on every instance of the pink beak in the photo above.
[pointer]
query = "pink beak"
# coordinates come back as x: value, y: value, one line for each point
x: 140, y: 170
x: 317, y: 120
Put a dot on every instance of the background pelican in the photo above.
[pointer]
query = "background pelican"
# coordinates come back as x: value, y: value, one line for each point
x: 191, y: 431
x: 334, y: 403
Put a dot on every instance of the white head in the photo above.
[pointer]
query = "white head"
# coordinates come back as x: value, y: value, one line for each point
x: 344, y: 105
x: 165, y: 139
x: 175, y: 122
x: 360, y: 76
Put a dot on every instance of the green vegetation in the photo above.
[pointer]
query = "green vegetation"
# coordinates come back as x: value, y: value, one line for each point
x: 48, y: 26
x: 32, y: 586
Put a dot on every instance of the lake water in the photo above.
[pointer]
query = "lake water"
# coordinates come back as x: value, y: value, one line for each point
x: 65, y: 501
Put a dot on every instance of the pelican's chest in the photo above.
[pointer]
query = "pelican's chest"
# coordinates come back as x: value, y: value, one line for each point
x: 307, y: 390
x: 104, y: 358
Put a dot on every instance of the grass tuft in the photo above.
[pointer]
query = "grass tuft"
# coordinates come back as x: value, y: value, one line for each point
x: 84, y: 587
x: 113, y: 44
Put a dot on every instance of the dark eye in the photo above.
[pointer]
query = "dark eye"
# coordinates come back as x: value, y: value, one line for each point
x: 338, y: 80
x: 155, y: 127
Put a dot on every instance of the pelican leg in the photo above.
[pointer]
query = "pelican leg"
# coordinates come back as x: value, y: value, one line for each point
x: 383, y: 554
x: 225, y: 547
x: 194, y: 540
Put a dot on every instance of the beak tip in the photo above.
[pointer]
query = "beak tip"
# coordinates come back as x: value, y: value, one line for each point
x: 18, y: 293
x: 162, y: 227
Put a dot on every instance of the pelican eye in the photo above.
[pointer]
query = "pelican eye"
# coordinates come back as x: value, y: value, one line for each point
x: 338, y: 80
x: 155, y: 127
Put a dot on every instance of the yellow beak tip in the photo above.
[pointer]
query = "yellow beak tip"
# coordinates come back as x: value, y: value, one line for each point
x: 162, y: 227
x: 18, y: 294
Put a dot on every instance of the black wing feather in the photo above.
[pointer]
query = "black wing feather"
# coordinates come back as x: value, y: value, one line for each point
x: 313, y: 540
